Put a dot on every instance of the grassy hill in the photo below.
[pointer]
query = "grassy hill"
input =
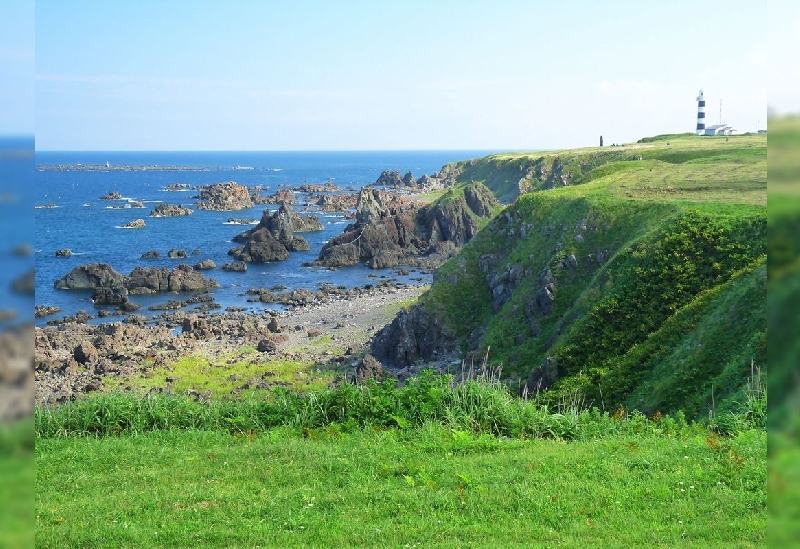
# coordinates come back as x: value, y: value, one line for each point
x: 631, y: 275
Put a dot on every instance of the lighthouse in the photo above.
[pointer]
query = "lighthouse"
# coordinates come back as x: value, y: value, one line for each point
x: 701, y: 114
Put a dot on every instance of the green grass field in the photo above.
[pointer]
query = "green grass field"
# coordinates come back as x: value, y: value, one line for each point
x: 428, y: 487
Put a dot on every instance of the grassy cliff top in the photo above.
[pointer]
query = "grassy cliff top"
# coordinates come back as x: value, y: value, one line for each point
x: 680, y: 167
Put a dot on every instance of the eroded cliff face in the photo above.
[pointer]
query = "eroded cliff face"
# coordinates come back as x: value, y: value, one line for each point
x: 415, y: 336
x: 392, y: 230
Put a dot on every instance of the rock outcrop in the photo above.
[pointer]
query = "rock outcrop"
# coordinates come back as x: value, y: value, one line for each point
x: 90, y: 276
x: 413, y: 336
x: 274, y: 236
x: 135, y: 224
x: 391, y: 230
x: 205, y: 265
x: 336, y: 202
x: 228, y: 196
x: 110, y: 286
x: 281, y: 196
x: 170, y: 210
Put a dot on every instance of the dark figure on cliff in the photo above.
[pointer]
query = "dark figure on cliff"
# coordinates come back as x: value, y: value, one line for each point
x: 601, y: 140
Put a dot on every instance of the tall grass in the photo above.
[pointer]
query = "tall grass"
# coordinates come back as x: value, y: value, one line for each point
x: 478, y: 406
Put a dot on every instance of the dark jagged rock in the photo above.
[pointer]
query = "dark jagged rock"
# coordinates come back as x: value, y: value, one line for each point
x: 64, y: 252
x: 337, y: 202
x: 480, y: 199
x: 266, y: 346
x: 152, y: 254
x: 273, y: 238
x: 86, y: 353
x: 391, y: 230
x: 181, y: 279
x: 205, y: 265
x: 369, y: 368
x: 413, y: 336
x: 228, y: 196
x: 316, y: 188
x: 390, y: 178
x: 236, y: 266
x: 113, y: 195
x: 409, y: 180
x: 141, y: 280
x: 170, y: 210
x: 40, y: 311
x: 105, y: 295
x: 281, y: 196
x: 177, y: 254
x: 90, y: 276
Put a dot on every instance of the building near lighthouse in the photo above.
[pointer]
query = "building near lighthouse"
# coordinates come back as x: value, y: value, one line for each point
x: 715, y: 129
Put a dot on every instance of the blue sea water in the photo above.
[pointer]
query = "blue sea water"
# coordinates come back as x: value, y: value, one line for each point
x: 90, y: 227
x: 16, y: 224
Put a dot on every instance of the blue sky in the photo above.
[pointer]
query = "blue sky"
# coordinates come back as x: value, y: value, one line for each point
x: 358, y: 75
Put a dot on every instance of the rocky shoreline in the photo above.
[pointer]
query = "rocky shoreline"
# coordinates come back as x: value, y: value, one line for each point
x: 75, y: 358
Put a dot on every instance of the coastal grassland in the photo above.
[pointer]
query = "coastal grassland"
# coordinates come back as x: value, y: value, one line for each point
x: 657, y: 253
x: 591, y: 479
x: 17, y: 471
x: 227, y: 375
x: 682, y: 167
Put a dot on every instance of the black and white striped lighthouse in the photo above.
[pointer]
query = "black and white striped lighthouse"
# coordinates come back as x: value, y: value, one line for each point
x: 701, y: 114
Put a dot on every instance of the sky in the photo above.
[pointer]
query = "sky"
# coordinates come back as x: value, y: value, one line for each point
x: 411, y: 75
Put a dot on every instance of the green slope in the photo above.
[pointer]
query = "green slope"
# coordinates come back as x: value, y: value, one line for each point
x: 656, y: 254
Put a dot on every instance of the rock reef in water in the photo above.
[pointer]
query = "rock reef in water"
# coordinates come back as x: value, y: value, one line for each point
x: 229, y: 196
x: 112, y: 287
x: 274, y: 236
x: 135, y: 224
x: 170, y: 210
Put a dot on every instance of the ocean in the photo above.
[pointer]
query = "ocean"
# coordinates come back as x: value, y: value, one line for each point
x: 91, y: 228
x: 16, y: 227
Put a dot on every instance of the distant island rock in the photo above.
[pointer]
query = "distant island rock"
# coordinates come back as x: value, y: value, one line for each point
x: 229, y: 196
x: 113, y: 195
x: 178, y: 187
x: 170, y: 210
x: 135, y: 224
